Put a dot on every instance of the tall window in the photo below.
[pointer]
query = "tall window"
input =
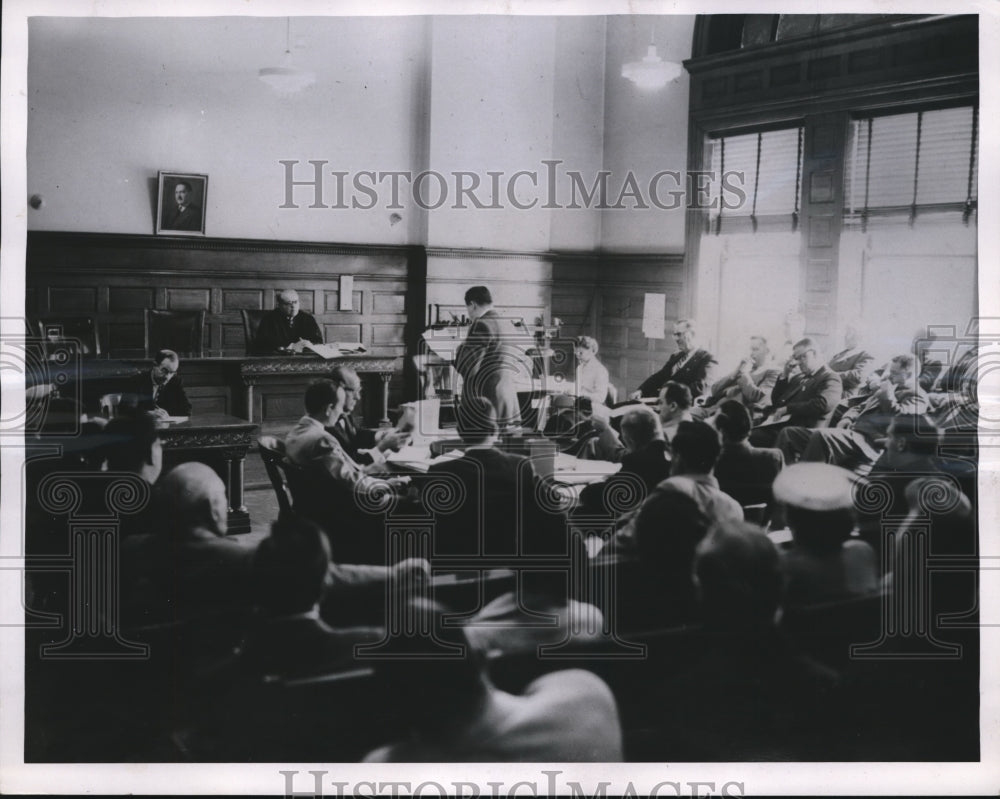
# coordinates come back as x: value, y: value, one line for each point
x: 756, y: 179
x: 912, y: 163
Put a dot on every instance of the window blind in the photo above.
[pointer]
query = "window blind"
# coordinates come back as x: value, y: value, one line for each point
x: 770, y: 163
x: 908, y: 163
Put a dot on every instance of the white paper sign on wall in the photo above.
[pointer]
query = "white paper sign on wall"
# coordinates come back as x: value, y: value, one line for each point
x: 653, y: 310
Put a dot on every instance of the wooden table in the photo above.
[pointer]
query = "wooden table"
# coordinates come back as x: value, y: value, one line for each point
x: 220, y: 441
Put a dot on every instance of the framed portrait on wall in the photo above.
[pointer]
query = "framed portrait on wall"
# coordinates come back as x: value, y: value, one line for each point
x: 180, y: 207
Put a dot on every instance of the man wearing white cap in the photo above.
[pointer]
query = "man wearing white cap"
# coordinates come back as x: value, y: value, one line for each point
x: 824, y: 562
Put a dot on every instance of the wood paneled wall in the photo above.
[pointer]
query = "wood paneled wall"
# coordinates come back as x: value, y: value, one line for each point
x: 113, y: 278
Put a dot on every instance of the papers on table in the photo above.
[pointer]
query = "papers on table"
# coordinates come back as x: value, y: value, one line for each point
x: 334, y: 349
x: 419, y: 458
x: 173, y: 419
x: 569, y: 469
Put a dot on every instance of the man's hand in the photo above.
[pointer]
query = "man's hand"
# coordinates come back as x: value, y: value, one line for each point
x: 778, y: 412
x: 744, y: 367
x: 393, y: 440
x: 635, y: 395
x: 159, y: 413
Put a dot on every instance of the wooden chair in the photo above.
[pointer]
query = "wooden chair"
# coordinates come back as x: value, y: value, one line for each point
x: 272, y: 453
x: 251, y: 321
x: 63, y: 329
x: 180, y: 331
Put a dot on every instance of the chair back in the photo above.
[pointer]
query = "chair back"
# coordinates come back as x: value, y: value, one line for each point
x: 180, y: 331
x: 61, y: 329
x: 251, y: 321
x: 826, y: 631
x: 108, y: 405
x: 272, y: 453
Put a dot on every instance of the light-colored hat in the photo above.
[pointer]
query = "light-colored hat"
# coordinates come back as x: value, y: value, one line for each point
x: 815, y: 486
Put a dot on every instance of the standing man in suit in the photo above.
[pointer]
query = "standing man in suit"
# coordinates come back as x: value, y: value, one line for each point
x: 803, y: 400
x: 689, y: 366
x: 286, y: 327
x: 159, y: 391
x: 485, y: 362
x: 186, y: 215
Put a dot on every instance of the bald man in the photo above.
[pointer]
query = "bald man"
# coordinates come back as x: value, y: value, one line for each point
x: 286, y: 328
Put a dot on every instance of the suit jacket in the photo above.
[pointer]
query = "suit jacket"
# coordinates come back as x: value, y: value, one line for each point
x: 693, y: 374
x: 494, y: 506
x: 753, y: 389
x: 651, y: 465
x: 851, y: 365
x: 188, y: 219
x: 810, y: 400
x: 353, y: 439
x: 871, y: 415
x: 275, y: 333
x: 485, y: 363
x: 746, y: 472
x: 138, y: 394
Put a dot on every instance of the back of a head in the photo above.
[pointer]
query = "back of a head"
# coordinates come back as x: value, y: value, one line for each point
x: 665, y: 545
x: 641, y: 426
x: 196, y: 497
x: 677, y: 393
x: 129, y: 442
x: 320, y: 394
x: 696, y: 447
x: 917, y: 432
x: 733, y: 421
x: 428, y: 671
x: 480, y: 295
x: 290, y: 567
x: 739, y: 577
x: 477, y: 420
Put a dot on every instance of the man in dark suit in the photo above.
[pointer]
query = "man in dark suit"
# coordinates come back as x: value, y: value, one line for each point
x: 688, y: 366
x: 494, y: 492
x: 485, y: 362
x: 286, y: 327
x: 186, y: 215
x: 159, y: 391
x: 363, y: 445
x: 857, y: 438
x: 804, y: 400
x: 744, y: 472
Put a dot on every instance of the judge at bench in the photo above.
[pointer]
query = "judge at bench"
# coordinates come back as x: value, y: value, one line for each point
x: 286, y: 327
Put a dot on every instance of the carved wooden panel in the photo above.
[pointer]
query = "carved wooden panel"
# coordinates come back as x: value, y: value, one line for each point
x: 388, y: 303
x: 331, y: 300
x: 78, y: 299
x: 129, y: 299
x: 242, y: 299
x: 342, y: 333
x: 179, y: 299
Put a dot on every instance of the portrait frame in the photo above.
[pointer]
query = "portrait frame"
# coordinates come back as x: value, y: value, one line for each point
x: 192, y: 221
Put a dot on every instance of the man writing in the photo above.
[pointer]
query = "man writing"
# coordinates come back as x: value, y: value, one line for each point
x: 159, y: 391
x: 286, y: 328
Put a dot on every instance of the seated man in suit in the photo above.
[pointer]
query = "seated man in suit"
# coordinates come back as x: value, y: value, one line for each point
x: 286, y: 328
x: 495, y: 511
x: 852, y: 363
x: 689, y: 366
x: 290, y: 575
x: 696, y: 449
x: 451, y: 711
x: 364, y: 446
x: 674, y: 407
x: 646, y: 457
x: 804, y: 400
x: 578, y: 431
x: 857, y: 438
x: 160, y: 390
x: 744, y: 472
x: 751, y: 382
x: 334, y: 490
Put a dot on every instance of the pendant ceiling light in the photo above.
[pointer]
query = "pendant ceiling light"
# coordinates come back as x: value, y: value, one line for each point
x: 652, y: 72
x: 287, y: 78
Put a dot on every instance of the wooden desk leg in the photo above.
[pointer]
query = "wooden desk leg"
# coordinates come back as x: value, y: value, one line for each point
x: 249, y: 402
x: 239, y: 516
x: 386, y: 377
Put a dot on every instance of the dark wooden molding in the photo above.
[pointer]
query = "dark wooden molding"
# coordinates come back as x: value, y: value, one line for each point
x: 149, y: 242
